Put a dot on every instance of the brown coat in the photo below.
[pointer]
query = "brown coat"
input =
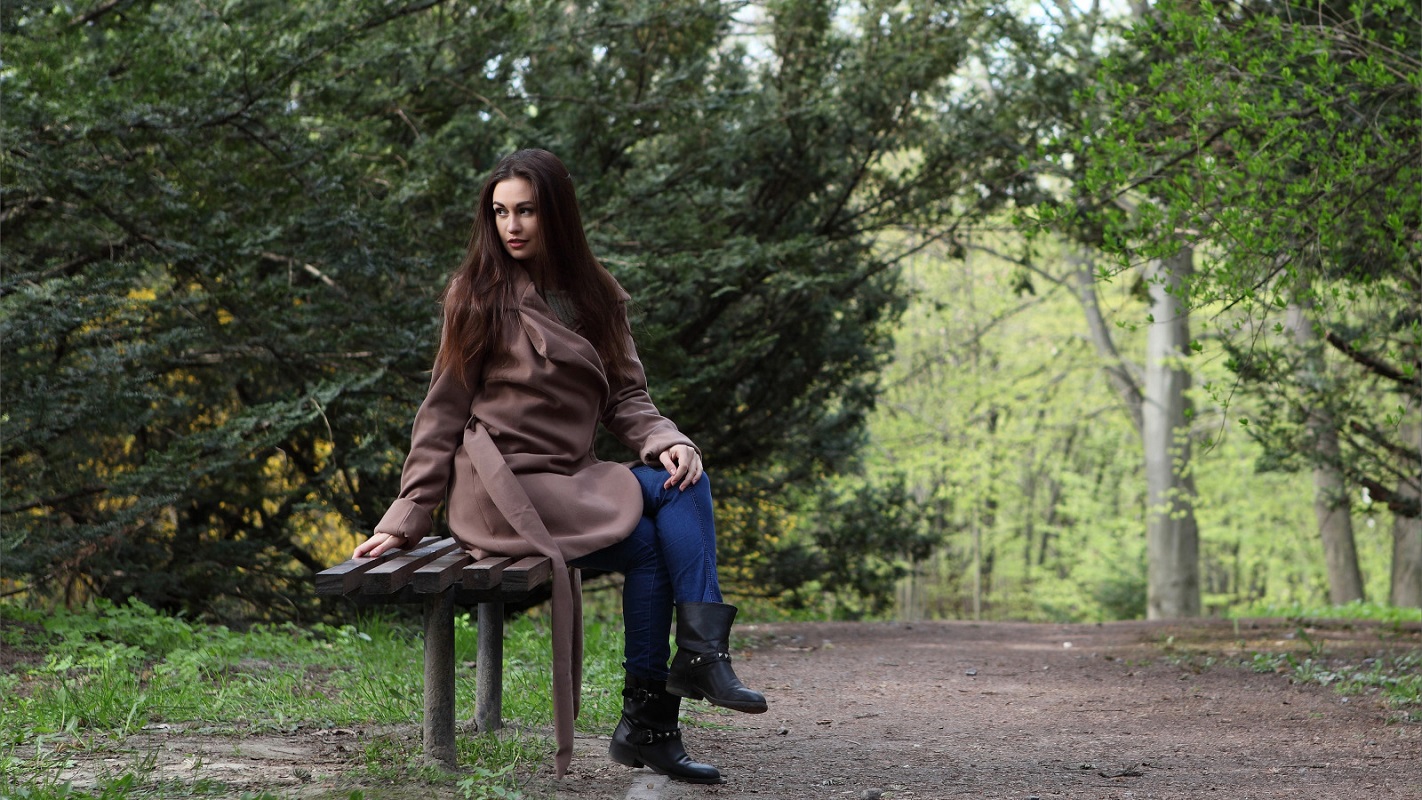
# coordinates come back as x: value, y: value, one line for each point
x: 512, y: 456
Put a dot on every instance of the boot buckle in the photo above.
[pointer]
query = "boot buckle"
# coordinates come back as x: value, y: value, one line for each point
x: 653, y: 737
x: 641, y: 695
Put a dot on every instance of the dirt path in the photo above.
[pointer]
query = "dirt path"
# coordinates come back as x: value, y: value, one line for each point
x: 954, y: 710
x: 948, y: 710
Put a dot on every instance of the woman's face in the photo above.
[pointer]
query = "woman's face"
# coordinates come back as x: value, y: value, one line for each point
x: 517, y: 218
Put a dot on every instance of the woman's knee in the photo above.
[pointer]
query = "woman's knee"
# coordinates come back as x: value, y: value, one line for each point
x: 702, y: 488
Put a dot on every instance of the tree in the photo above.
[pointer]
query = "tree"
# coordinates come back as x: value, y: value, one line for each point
x: 209, y: 320
x: 1172, y: 538
x: 1062, y: 63
x: 1331, y: 505
x: 1284, y: 144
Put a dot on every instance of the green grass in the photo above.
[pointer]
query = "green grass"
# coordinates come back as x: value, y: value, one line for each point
x: 1358, y: 610
x: 1395, y: 676
x: 120, y: 788
x: 86, y: 680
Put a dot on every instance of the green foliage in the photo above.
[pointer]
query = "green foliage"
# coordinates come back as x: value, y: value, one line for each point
x: 995, y: 413
x: 1358, y: 610
x: 1276, y: 140
x: 189, y: 395
x: 226, y: 227
x: 1018, y: 455
x: 1122, y: 595
x: 1300, y: 163
x: 1282, y: 142
x: 850, y: 549
x: 484, y: 784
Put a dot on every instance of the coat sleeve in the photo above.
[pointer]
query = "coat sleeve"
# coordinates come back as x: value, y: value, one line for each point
x: 632, y: 417
x: 436, y: 435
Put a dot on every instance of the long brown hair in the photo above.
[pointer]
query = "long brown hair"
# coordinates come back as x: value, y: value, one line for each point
x: 480, y: 291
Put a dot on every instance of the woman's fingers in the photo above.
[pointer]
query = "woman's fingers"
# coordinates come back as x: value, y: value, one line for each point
x: 379, y: 544
x: 683, y: 465
x: 668, y: 459
x: 693, y: 468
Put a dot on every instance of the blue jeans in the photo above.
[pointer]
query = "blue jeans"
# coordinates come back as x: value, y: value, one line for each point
x: 669, y: 558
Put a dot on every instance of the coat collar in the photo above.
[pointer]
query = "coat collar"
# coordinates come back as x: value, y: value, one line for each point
x: 523, y: 285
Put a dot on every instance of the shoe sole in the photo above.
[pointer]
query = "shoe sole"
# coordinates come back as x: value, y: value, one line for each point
x: 636, y: 763
x: 692, y: 694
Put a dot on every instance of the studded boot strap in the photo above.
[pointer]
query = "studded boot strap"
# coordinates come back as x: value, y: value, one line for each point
x: 708, y: 658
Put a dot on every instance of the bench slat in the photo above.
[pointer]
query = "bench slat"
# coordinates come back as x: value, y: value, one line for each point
x: 463, y: 598
x: 395, y: 573
x: 441, y: 573
x: 486, y: 572
x: 346, y: 577
x: 527, y: 573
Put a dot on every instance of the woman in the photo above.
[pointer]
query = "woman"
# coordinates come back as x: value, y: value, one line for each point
x: 535, y: 352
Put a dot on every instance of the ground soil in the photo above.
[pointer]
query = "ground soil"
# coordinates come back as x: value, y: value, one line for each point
x: 962, y: 710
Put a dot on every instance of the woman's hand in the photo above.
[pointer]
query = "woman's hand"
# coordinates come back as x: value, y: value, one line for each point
x: 684, y: 464
x: 378, y: 544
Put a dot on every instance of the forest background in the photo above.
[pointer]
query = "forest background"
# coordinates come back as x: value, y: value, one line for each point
x: 978, y: 308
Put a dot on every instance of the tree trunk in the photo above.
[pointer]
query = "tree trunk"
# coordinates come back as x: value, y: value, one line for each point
x: 1407, y: 535
x: 1172, y: 538
x: 1330, y: 490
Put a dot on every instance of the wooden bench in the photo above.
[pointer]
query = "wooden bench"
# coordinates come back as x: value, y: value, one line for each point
x: 440, y: 575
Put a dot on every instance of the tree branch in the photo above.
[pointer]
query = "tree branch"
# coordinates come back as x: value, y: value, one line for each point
x: 1370, y: 362
x: 96, y: 13
x: 68, y: 268
x: 413, y: 8
x: 1115, y: 366
x: 1399, y: 504
x: 44, y: 502
x: 311, y: 268
x: 1371, y: 434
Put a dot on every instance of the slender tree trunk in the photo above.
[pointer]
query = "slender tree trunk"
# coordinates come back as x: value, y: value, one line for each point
x: 1330, y: 490
x: 1407, y: 535
x: 1116, y: 369
x: 1172, y: 538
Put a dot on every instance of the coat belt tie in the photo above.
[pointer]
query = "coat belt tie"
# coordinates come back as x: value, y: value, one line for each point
x: 513, y: 502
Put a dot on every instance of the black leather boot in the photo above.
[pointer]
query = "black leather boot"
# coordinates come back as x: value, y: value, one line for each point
x: 702, y: 666
x: 648, y: 734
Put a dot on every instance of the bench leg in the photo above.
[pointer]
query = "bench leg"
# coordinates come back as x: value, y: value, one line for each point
x: 489, y: 691
x: 439, y: 679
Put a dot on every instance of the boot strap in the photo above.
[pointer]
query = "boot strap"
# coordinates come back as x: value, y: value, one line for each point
x: 645, y: 737
x: 707, y: 658
x: 641, y: 695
